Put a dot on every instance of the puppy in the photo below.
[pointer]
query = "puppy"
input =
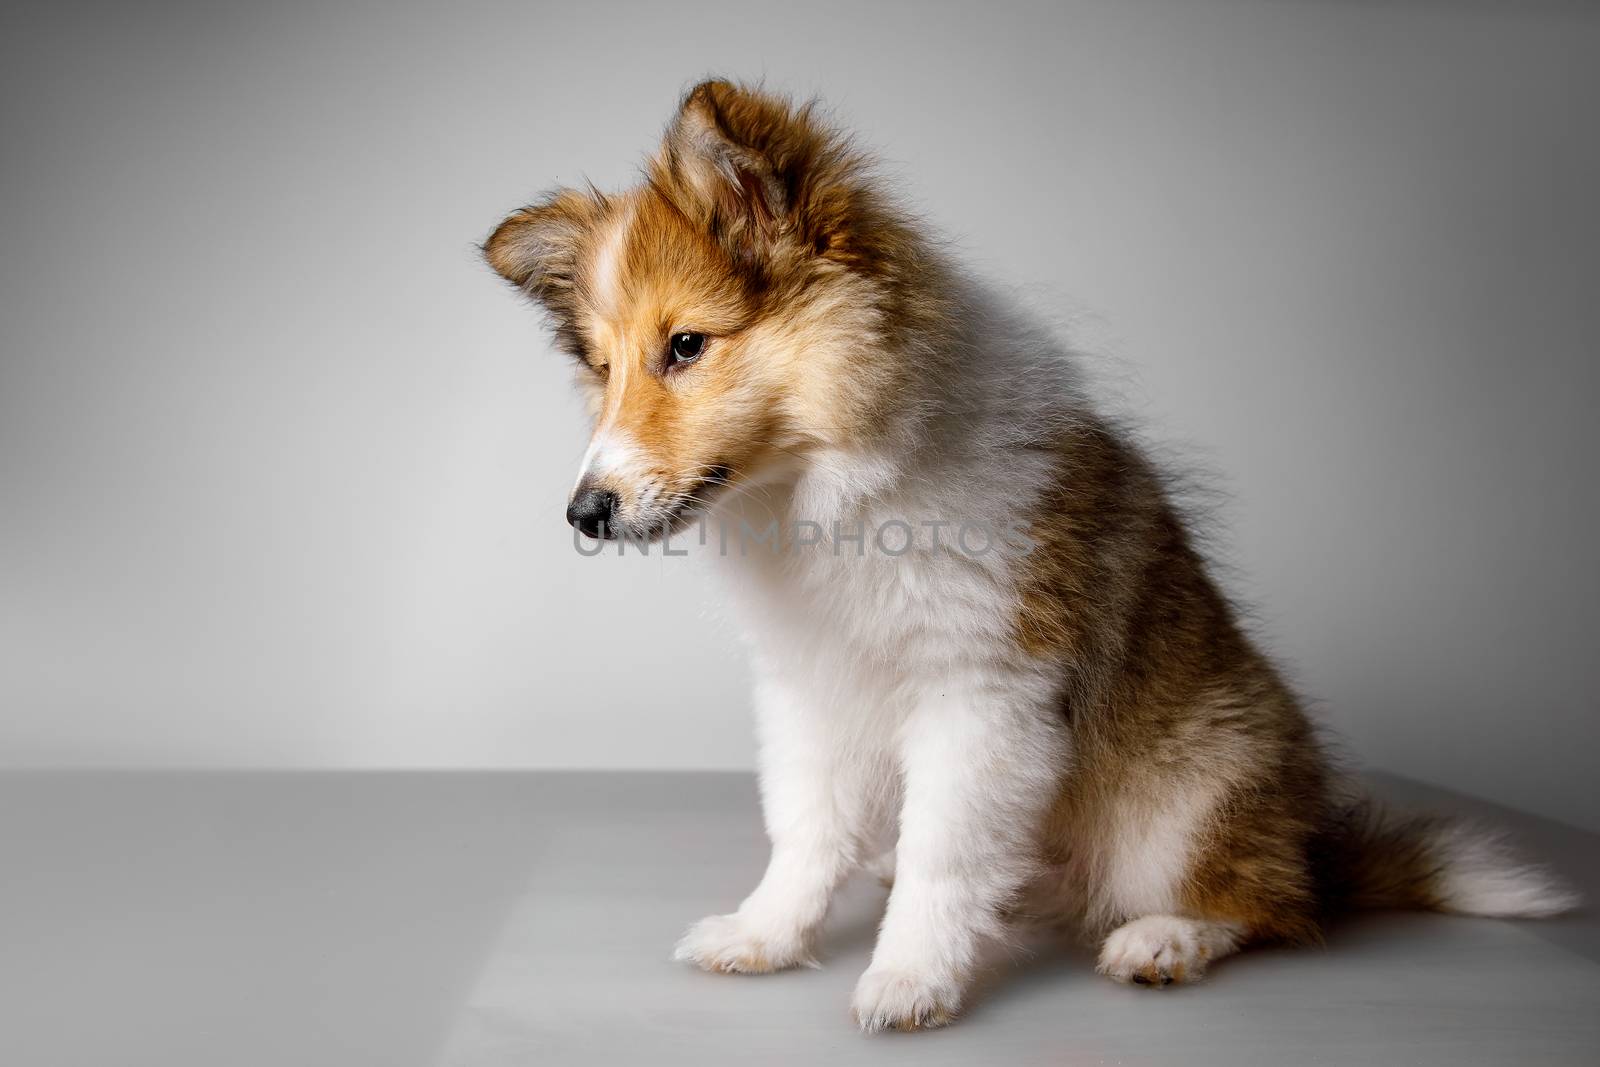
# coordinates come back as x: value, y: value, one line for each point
x: 982, y: 634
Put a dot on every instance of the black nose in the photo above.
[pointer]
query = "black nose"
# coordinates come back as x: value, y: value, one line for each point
x: 591, y: 511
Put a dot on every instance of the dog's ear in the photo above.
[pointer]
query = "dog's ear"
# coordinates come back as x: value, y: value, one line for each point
x: 757, y: 170
x: 720, y: 148
x: 537, y: 250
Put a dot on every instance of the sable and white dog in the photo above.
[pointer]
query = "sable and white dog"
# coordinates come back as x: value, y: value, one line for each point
x: 1069, y: 723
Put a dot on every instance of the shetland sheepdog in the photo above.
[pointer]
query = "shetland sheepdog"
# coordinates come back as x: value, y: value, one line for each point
x: 994, y: 665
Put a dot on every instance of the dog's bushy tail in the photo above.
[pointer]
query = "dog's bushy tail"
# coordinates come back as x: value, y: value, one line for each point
x: 1376, y: 858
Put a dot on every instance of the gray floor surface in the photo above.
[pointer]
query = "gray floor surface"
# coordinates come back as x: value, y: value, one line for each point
x: 297, y: 920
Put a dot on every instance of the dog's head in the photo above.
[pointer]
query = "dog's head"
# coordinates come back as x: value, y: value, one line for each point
x: 727, y: 315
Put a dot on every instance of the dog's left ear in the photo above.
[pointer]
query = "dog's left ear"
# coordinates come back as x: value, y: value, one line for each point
x: 720, y: 147
x: 756, y: 170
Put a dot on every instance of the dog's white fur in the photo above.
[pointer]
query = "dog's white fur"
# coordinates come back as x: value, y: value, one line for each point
x: 890, y: 688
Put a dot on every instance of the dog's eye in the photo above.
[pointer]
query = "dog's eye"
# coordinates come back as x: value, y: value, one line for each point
x: 685, y: 348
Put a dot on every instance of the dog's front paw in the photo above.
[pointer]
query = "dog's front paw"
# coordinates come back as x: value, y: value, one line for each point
x: 734, y: 945
x: 890, y: 999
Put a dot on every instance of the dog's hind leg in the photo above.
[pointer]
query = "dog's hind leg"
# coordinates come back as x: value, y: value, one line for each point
x: 1158, y: 950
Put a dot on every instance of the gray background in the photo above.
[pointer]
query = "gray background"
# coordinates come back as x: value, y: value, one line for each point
x: 282, y: 466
